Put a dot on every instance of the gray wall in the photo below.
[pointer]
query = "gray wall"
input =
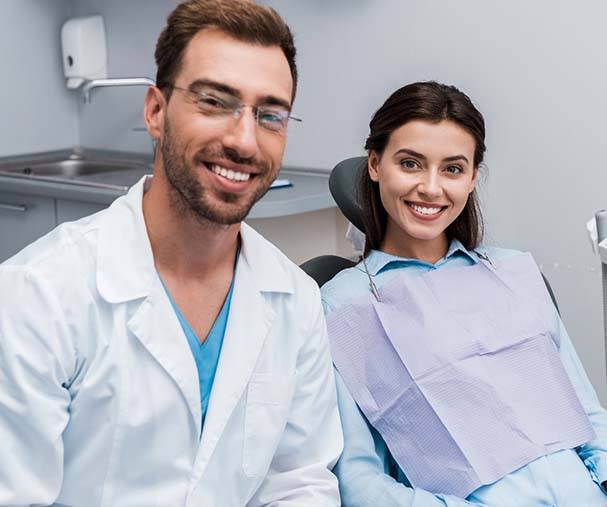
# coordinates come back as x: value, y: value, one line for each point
x: 132, y: 28
x: 38, y: 113
x: 535, y: 69
x: 537, y: 72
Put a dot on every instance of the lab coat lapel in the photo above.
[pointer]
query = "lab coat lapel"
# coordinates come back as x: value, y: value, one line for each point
x: 249, y: 322
x: 126, y: 273
x: 157, y: 328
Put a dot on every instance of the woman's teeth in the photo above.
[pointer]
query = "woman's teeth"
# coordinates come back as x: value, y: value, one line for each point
x: 229, y: 174
x: 423, y: 210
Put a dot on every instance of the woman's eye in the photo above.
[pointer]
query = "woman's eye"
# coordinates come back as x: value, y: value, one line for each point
x: 454, y: 169
x: 409, y: 164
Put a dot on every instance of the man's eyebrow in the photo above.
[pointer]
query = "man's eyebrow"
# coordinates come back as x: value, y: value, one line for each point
x: 271, y: 100
x: 268, y: 100
x: 195, y: 86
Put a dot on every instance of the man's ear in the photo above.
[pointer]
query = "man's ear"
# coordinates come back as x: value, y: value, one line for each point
x: 373, y: 166
x: 154, y: 111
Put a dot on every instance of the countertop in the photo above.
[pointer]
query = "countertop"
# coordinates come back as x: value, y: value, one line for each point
x: 310, y: 190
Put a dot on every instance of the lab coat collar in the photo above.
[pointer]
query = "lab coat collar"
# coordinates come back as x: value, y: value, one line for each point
x: 378, y: 261
x: 126, y: 272
x: 266, y: 271
x: 126, y: 269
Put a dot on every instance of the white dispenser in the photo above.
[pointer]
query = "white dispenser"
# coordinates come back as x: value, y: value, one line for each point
x: 84, y: 50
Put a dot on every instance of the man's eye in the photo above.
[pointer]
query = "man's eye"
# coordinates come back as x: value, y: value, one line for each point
x: 210, y: 103
x: 269, y: 116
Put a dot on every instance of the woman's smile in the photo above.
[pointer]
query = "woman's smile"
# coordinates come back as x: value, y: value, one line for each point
x: 425, y: 211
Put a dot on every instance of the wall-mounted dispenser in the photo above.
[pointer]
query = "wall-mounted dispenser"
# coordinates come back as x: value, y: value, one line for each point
x: 84, y: 50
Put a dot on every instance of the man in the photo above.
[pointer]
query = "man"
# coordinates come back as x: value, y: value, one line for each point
x: 114, y: 329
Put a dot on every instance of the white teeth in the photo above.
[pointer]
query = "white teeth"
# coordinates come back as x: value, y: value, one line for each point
x: 229, y: 174
x: 423, y: 210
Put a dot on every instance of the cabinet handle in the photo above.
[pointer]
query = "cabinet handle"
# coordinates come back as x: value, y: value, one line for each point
x: 22, y: 208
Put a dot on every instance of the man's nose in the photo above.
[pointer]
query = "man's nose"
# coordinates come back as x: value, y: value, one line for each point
x: 241, y: 135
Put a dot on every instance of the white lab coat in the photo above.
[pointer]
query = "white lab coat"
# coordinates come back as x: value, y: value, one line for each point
x: 99, y: 397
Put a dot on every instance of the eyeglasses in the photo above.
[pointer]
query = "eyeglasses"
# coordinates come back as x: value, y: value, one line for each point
x: 216, y: 104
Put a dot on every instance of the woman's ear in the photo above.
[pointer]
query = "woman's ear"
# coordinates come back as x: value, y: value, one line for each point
x: 373, y: 166
x: 473, y: 180
x: 154, y: 110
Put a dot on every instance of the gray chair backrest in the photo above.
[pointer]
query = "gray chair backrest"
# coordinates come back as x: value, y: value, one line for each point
x: 343, y: 184
x: 325, y: 267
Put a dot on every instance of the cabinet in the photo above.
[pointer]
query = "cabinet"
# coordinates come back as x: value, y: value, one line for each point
x: 73, y: 210
x: 300, y: 220
x: 25, y: 218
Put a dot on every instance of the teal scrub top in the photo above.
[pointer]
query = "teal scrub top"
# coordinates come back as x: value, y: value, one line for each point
x: 206, y: 354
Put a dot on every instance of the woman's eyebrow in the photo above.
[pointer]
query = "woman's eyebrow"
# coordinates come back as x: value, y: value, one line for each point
x: 411, y: 152
x: 454, y: 158
x: 414, y: 153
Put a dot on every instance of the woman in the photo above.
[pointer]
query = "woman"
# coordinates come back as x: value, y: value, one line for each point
x: 457, y: 382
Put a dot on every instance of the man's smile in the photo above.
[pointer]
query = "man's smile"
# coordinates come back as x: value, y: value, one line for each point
x: 229, y: 173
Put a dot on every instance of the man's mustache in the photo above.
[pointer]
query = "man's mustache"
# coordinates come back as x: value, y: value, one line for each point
x: 231, y: 156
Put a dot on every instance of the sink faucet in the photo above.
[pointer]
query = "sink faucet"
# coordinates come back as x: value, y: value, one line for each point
x: 127, y: 81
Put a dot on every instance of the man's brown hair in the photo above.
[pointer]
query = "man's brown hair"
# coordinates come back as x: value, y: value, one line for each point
x: 243, y: 20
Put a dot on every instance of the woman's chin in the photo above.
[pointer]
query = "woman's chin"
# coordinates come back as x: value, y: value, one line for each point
x: 426, y: 233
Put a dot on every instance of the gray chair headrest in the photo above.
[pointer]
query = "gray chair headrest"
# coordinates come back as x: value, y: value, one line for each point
x: 343, y: 184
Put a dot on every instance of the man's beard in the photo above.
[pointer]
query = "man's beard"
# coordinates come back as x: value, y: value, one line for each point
x: 188, y: 195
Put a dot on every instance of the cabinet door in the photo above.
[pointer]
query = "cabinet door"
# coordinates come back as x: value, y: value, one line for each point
x: 73, y: 210
x: 23, y: 219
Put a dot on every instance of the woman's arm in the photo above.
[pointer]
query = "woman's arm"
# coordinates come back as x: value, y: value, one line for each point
x: 594, y: 453
x: 362, y: 470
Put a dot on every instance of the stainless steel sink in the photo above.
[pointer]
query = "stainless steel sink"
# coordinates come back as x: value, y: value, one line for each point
x: 67, y: 168
x: 96, y: 168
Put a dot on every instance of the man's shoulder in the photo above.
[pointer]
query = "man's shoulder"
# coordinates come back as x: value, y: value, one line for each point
x: 63, y: 253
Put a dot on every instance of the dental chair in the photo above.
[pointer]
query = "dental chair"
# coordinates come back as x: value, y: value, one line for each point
x: 343, y: 183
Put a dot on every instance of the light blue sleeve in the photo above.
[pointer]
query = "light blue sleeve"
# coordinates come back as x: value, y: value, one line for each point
x: 362, y: 470
x: 594, y: 453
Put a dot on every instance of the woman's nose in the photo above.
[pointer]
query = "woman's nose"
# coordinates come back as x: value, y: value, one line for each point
x: 430, y: 185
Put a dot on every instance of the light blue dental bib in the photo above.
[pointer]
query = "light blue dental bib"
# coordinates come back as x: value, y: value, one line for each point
x: 458, y: 369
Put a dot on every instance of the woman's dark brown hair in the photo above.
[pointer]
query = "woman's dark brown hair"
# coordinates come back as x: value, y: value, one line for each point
x: 433, y: 102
